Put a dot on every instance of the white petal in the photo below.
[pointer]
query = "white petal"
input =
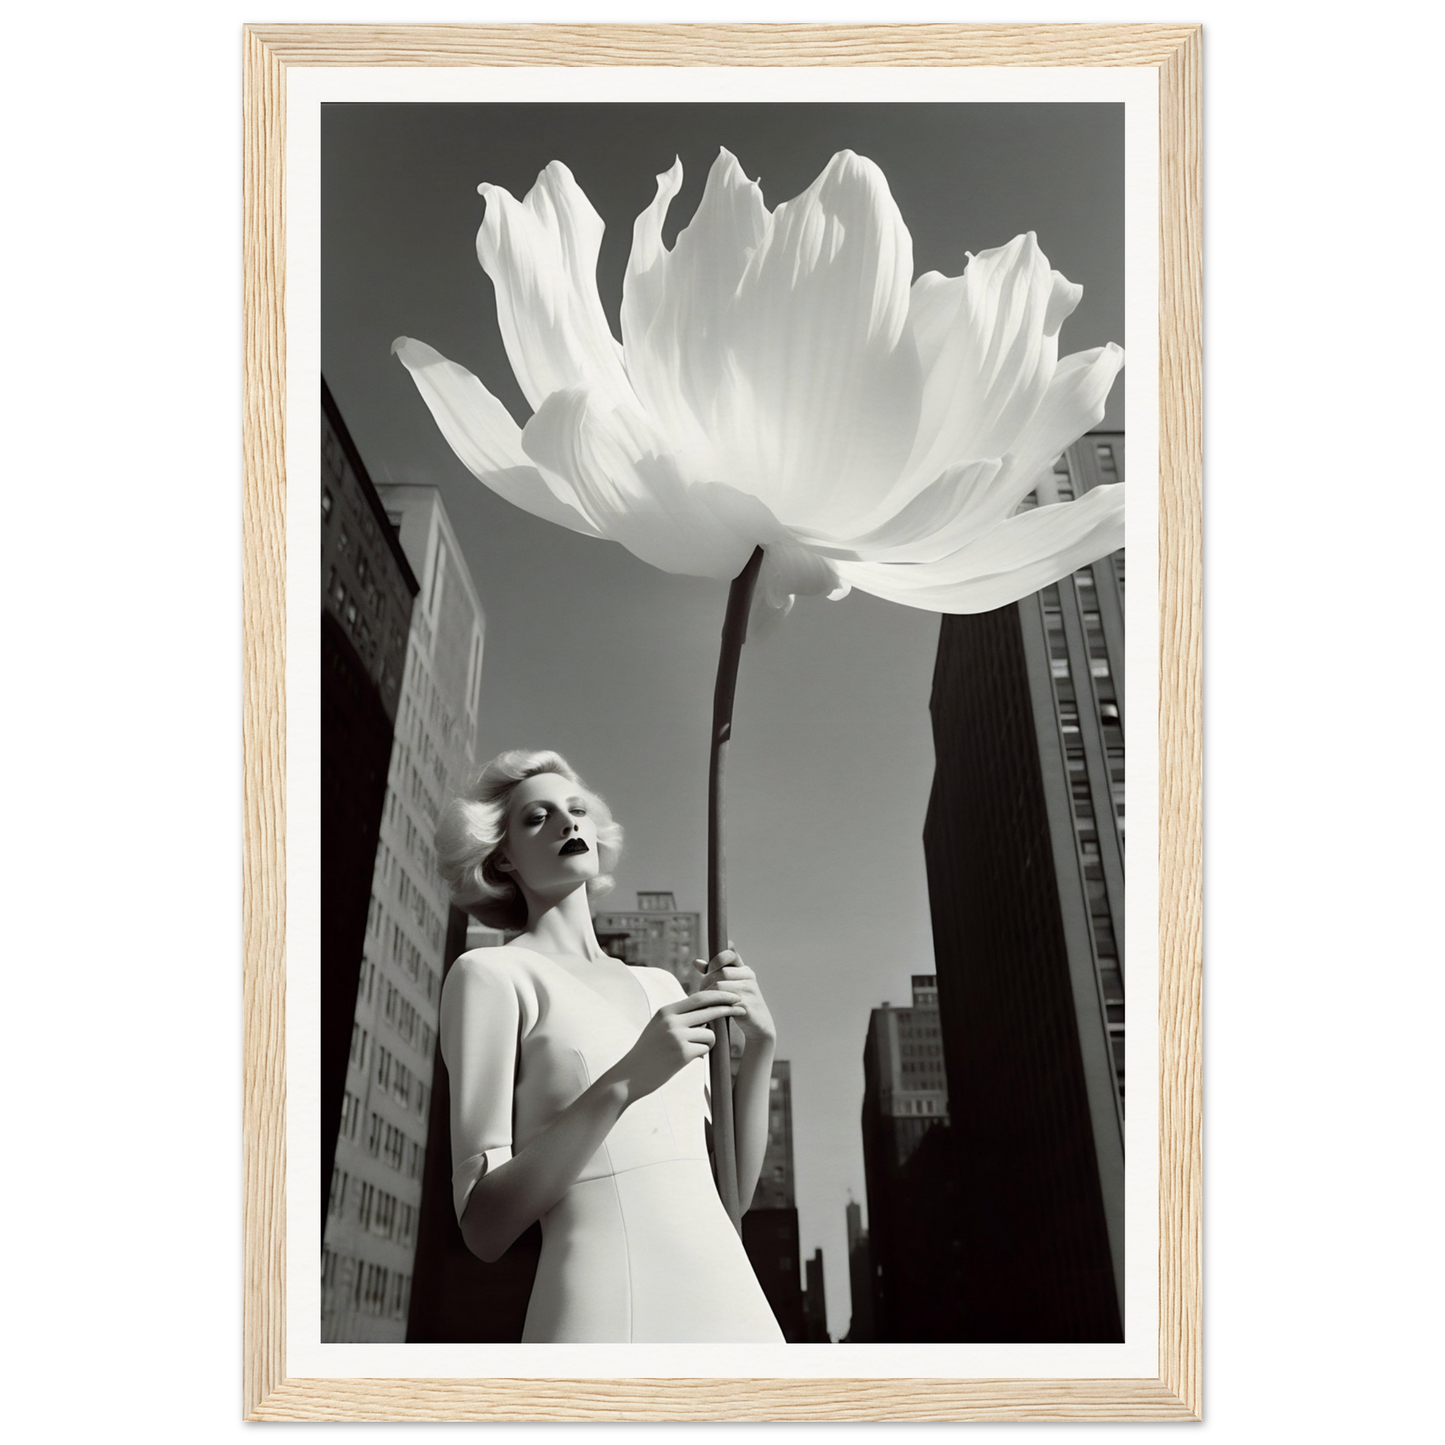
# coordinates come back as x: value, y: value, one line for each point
x: 674, y: 303
x: 764, y: 617
x: 944, y: 516
x: 970, y: 498
x: 789, y: 571
x: 740, y: 513
x: 819, y: 395
x: 1020, y: 555
x: 542, y: 257
x: 631, y: 489
x: 1062, y: 302
x: 1074, y: 403
x: 987, y: 342
x: 483, y: 435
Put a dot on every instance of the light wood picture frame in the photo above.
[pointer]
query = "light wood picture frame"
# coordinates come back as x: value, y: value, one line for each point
x: 1175, y: 52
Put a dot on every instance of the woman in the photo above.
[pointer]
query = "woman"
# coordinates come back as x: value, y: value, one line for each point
x: 579, y: 1085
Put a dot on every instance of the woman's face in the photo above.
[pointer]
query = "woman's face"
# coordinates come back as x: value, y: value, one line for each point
x: 551, y: 837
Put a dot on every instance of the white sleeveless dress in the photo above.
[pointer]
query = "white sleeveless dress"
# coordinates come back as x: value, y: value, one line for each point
x: 640, y: 1247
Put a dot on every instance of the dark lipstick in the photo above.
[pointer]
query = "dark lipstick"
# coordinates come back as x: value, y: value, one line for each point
x: 573, y: 845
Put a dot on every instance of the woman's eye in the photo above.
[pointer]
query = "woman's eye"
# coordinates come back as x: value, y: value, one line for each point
x: 580, y: 812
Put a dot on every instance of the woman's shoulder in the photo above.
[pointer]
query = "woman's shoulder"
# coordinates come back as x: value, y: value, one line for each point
x: 502, y: 957
x: 505, y: 960
x: 491, y: 976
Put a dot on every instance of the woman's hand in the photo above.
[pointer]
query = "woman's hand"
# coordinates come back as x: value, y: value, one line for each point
x: 673, y: 1037
x: 728, y: 971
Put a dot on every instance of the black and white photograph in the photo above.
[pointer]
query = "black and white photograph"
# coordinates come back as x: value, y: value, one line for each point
x: 722, y: 729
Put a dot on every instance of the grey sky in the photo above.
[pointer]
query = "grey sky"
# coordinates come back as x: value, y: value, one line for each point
x: 594, y: 653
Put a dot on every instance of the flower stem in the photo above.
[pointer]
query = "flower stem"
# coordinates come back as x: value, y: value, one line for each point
x: 734, y: 634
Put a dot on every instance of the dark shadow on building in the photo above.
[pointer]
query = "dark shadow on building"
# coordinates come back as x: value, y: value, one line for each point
x: 860, y: 1279
x: 815, y: 1302
x: 366, y: 602
x: 770, y: 1226
x: 907, y: 1249
x: 770, y: 1237
x: 1024, y: 850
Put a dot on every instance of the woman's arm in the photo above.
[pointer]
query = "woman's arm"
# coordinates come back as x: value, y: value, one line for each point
x: 752, y: 1089
x: 751, y: 1099
x: 506, y: 1200
x: 517, y: 1190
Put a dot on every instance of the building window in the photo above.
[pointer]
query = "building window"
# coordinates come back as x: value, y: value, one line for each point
x: 438, y: 563
x: 350, y: 1114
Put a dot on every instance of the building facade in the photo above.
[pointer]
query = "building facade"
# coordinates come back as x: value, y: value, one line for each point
x: 770, y: 1225
x: 367, y: 587
x: 655, y: 934
x: 1024, y: 845
x: 775, y: 1184
x: 860, y: 1277
x: 905, y: 1104
x: 815, y: 1302
x: 375, y: 1196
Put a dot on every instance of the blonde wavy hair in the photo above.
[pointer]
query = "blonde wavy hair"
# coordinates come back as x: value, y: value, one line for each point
x: 473, y: 825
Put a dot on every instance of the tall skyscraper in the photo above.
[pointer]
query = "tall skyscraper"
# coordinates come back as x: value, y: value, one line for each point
x: 770, y: 1226
x: 370, y: 1237
x: 367, y: 587
x: 905, y: 1101
x: 1024, y: 844
x: 904, y: 1080
x: 815, y: 1302
x: 655, y: 934
x: 860, y: 1277
x: 775, y: 1184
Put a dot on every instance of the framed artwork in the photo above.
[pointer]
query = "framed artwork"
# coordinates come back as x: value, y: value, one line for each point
x: 318, y: 104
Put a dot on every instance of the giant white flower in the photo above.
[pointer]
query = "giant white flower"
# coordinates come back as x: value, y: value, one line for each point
x: 783, y: 381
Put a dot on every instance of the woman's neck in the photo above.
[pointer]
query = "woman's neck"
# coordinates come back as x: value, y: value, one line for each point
x: 564, y: 926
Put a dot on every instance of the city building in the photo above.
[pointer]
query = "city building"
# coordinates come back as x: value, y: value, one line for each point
x: 656, y: 934
x: 775, y: 1184
x: 905, y: 1102
x: 367, y: 587
x: 815, y: 1303
x: 770, y: 1225
x: 381, y: 1149
x: 480, y: 936
x: 1024, y: 845
x: 860, y: 1277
